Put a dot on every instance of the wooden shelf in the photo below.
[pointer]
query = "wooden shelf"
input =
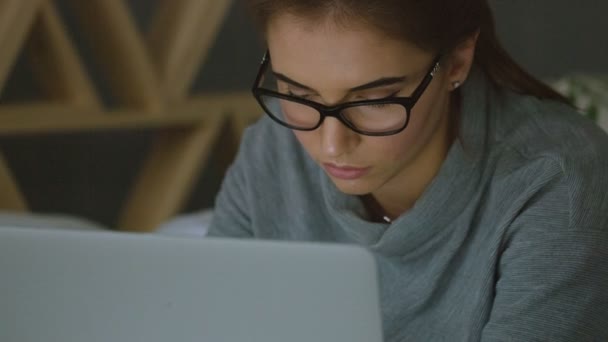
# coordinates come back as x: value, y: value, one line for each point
x: 16, y: 19
x: 26, y: 119
x: 149, y: 75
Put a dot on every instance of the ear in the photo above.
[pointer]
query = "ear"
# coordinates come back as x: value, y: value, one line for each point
x: 461, y: 61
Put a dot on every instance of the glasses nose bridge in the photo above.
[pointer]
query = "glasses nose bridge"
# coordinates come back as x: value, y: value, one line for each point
x: 333, y: 112
x: 336, y: 113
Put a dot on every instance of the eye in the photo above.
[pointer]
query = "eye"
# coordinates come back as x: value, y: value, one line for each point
x: 378, y: 96
x: 380, y: 105
x: 298, y: 94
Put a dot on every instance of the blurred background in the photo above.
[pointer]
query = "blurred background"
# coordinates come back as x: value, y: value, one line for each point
x: 90, y: 173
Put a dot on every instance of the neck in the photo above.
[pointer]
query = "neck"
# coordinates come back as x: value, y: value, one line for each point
x: 375, y: 210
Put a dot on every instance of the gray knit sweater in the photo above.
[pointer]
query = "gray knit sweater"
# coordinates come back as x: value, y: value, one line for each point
x: 508, y: 243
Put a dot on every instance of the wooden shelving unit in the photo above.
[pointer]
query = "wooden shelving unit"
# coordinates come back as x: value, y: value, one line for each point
x: 149, y: 73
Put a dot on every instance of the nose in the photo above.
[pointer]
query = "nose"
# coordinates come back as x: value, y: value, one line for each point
x: 336, y: 138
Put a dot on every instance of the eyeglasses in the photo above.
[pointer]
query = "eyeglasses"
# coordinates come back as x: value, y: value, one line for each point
x: 378, y: 117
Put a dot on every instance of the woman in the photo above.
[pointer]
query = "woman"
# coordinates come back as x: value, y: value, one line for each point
x: 402, y: 126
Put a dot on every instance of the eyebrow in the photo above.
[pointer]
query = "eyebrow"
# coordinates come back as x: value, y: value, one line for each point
x: 381, y: 82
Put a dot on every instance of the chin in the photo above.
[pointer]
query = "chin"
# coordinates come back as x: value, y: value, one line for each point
x: 353, y: 187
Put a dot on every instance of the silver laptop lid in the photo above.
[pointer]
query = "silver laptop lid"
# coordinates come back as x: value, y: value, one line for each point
x: 95, y: 286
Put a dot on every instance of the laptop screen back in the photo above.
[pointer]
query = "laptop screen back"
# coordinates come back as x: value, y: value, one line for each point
x: 90, y: 286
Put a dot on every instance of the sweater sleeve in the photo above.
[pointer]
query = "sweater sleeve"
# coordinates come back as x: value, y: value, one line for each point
x: 232, y: 212
x: 552, y: 278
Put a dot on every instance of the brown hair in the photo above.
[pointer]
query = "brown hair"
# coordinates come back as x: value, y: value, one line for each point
x: 433, y: 25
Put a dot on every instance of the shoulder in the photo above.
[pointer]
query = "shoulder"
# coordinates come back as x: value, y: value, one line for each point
x: 554, y: 146
x: 270, y: 156
x: 261, y: 183
x: 266, y: 141
x: 535, y: 126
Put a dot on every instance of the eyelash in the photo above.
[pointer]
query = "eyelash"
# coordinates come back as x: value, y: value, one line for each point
x: 392, y: 95
x: 290, y: 93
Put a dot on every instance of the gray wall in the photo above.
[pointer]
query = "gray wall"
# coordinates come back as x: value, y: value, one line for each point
x: 553, y: 37
x: 87, y: 174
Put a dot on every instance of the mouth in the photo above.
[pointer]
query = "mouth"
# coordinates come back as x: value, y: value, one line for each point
x: 345, y: 172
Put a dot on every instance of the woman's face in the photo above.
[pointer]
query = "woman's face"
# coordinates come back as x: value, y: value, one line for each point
x: 330, y: 61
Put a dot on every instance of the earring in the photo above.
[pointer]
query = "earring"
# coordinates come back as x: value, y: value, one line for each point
x: 456, y: 85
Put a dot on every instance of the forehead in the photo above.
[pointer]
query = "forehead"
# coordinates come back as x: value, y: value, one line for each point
x: 322, y: 53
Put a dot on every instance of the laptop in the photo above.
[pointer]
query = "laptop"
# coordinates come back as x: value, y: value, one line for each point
x: 64, y: 286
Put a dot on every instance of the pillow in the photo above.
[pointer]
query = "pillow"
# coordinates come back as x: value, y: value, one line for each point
x: 192, y: 224
x: 51, y: 221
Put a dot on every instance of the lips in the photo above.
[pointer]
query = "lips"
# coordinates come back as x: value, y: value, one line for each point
x: 345, y: 172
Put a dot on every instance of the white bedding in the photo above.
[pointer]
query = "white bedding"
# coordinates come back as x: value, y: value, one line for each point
x: 52, y: 221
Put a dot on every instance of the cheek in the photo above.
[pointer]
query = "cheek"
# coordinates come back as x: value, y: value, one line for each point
x: 418, y: 127
x: 424, y: 117
x: 389, y: 149
x: 406, y: 145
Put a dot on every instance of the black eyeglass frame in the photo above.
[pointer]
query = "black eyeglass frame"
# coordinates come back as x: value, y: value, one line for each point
x: 336, y: 111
